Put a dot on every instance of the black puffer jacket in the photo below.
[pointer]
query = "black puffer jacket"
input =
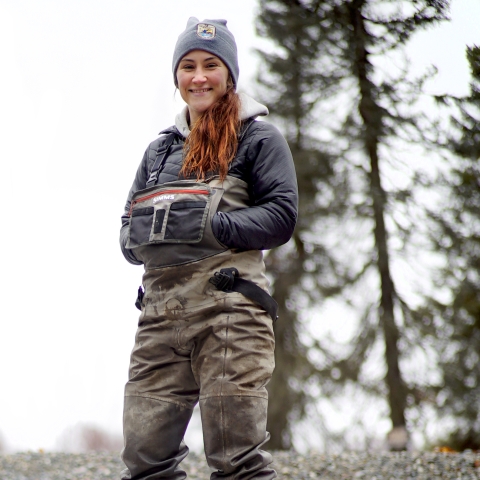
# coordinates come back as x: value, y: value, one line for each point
x: 264, y: 162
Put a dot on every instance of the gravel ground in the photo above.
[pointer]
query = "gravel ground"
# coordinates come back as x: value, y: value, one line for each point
x: 289, y: 465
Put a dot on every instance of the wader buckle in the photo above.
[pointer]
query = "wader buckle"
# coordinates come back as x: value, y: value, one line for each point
x: 228, y: 280
x: 224, y: 279
x: 140, y: 295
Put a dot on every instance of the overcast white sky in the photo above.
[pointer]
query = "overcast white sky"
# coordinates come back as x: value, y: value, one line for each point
x: 84, y: 87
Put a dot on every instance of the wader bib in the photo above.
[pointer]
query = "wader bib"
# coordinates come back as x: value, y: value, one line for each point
x: 196, y: 342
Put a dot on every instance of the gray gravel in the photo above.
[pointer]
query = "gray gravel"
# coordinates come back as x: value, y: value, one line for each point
x: 289, y: 465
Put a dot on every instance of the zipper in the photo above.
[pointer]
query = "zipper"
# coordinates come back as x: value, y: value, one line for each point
x: 165, y: 192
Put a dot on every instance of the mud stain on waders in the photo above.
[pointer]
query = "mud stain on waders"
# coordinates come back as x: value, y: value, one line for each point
x: 168, y: 280
x: 175, y: 307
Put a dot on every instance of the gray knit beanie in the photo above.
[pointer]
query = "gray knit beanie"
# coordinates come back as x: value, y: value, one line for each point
x: 212, y: 36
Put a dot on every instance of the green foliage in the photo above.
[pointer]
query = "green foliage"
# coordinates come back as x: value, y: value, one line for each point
x: 344, y: 117
x: 457, y: 235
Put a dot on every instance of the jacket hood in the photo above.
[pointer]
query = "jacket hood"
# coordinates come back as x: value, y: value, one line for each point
x: 249, y: 108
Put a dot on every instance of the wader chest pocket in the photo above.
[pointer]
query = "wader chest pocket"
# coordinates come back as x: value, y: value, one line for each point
x: 140, y: 225
x: 185, y: 221
x: 169, y: 215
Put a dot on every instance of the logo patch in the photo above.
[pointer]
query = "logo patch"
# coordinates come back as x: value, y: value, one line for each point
x: 163, y: 197
x: 206, y: 31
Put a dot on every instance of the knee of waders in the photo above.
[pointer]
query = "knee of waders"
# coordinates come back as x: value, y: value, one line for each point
x: 234, y: 430
x: 153, y: 434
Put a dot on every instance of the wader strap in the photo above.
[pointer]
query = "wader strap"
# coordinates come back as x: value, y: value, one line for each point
x: 228, y: 280
x: 160, y: 160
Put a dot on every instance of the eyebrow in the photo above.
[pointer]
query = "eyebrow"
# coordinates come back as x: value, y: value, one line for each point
x: 204, y: 60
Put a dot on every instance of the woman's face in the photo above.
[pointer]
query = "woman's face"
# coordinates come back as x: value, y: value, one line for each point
x: 202, y: 80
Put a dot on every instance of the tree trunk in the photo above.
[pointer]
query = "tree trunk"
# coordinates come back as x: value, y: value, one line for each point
x: 280, y: 403
x: 371, y: 114
x: 283, y: 399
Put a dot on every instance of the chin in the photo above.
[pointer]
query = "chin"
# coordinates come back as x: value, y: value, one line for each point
x: 201, y: 109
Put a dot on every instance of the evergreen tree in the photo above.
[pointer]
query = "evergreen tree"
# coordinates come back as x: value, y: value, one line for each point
x: 456, y: 308
x: 343, y: 116
x: 296, y: 84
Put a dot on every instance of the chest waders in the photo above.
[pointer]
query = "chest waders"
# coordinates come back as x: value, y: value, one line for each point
x: 204, y: 336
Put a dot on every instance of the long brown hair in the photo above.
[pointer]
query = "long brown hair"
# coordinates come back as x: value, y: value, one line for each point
x: 213, y: 140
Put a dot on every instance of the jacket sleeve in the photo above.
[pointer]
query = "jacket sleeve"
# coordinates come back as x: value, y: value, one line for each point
x: 271, y: 219
x: 139, y: 182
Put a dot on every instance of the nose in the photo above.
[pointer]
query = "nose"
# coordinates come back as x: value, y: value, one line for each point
x: 199, y: 76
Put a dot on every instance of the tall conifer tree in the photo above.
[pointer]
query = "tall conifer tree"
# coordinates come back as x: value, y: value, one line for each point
x: 456, y: 304
x: 296, y: 84
x: 343, y: 116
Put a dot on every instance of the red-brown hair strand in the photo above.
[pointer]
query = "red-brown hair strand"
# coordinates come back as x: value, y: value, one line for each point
x: 213, y: 140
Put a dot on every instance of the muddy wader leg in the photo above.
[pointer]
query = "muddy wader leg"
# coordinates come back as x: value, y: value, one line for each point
x: 153, y: 431
x: 233, y: 361
x: 159, y: 399
x: 234, y: 432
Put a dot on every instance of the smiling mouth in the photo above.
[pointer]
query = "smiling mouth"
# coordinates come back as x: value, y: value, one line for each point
x: 200, y: 90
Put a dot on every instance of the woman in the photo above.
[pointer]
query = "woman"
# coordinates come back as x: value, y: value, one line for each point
x: 211, y: 193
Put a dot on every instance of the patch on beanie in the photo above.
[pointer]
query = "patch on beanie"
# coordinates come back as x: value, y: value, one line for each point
x: 206, y: 31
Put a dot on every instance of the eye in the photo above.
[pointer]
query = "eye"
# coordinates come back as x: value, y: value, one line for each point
x: 212, y: 65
